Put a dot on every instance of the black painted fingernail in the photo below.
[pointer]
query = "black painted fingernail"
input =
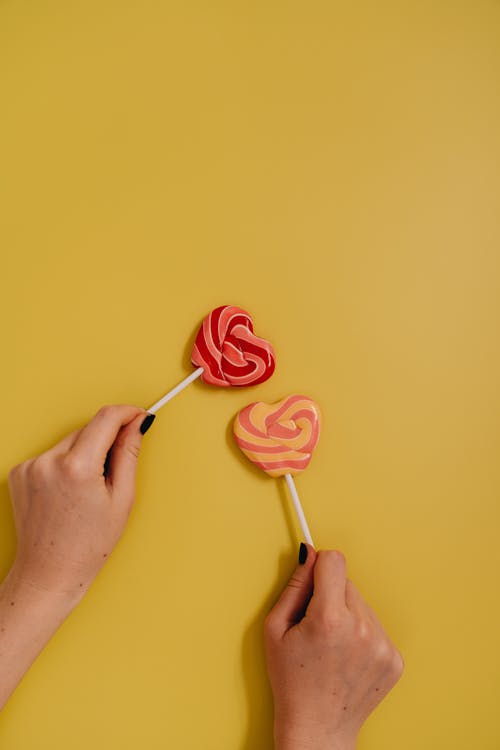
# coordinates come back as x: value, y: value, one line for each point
x: 148, y: 421
x: 302, y: 553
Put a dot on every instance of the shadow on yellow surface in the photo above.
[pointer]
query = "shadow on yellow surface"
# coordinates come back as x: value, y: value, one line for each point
x: 333, y: 168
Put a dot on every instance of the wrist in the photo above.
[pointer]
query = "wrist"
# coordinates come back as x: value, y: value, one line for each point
x: 59, y: 594
x: 289, y: 735
x: 309, y: 743
x: 63, y: 581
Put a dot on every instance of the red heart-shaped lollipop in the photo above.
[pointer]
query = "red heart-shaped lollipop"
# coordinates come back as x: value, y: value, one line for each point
x: 229, y: 351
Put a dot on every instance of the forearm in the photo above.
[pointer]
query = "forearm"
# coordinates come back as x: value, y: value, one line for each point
x: 29, y: 617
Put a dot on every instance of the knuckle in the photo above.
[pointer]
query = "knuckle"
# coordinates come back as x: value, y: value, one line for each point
x: 328, y: 621
x: 128, y: 446
x: 23, y: 470
x: 333, y: 555
x: 14, y: 476
x: 105, y: 410
x: 72, y: 467
x: 294, y: 582
x: 14, y: 472
x: 133, y: 449
x: 269, y: 625
x: 383, y: 653
x: 397, y: 664
x: 39, y: 468
x: 339, y: 555
x: 363, y: 631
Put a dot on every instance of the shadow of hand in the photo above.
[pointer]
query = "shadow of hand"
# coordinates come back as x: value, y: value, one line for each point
x: 259, y: 730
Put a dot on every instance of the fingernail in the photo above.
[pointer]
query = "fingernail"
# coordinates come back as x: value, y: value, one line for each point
x: 302, y: 553
x: 146, y: 424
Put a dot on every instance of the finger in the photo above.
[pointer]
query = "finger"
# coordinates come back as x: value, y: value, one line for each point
x: 122, y: 461
x: 65, y: 445
x: 330, y: 581
x: 295, y: 596
x: 60, y: 448
x: 99, y: 434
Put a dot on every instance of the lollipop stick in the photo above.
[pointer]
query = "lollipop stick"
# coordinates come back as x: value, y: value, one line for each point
x: 178, y: 388
x: 298, y: 508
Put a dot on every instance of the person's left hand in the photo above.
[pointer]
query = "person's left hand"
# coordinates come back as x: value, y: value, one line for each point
x: 69, y: 509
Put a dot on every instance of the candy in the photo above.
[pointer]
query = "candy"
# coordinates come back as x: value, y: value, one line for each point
x: 229, y: 351
x: 279, y: 438
x: 226, y: 352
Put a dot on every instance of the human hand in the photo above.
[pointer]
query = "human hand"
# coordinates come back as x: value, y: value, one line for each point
x: 70, y: 505
x: 329, y: 660
x: 68, y: 514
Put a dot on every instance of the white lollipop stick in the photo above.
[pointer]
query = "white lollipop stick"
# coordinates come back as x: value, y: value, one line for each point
x: 178, y: 388
x: 298, y: 508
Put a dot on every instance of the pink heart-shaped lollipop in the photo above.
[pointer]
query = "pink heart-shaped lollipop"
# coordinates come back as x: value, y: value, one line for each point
x: 229, y: 351
x: 279, y: 438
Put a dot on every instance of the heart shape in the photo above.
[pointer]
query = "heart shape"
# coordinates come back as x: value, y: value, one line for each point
x: 229, y: 351
x: 279, y: 438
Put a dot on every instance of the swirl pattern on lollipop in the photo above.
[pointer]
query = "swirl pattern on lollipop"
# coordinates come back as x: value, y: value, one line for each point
x: 279, y: 438
x: 229, y: 351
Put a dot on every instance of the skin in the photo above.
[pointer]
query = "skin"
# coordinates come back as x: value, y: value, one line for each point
x: 68, y: 518
x: 329, y: 660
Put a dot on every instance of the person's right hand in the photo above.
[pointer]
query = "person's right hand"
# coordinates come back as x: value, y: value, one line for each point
x: 329, y: 660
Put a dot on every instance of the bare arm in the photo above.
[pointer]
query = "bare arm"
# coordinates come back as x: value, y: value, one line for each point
x: 28, y: 618
x: 68, y: 515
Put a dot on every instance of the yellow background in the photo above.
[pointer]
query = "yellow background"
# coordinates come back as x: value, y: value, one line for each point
x: 334, y: 168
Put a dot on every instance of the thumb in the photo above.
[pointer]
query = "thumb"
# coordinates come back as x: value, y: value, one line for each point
x: 291, y: 605
x: 121, y: 461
